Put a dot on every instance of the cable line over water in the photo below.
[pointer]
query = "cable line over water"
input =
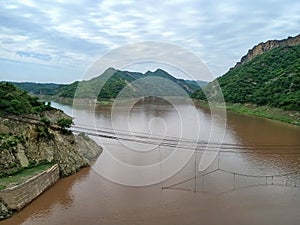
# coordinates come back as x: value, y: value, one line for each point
x: 196, y: 146
x: 183, y: 143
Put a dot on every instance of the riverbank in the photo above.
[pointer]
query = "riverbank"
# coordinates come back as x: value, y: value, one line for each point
x: 291, y: 117
x: 109, y: 102
x: 70, y: 101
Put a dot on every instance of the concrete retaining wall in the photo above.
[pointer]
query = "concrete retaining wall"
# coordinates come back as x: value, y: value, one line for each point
x: 19, y: 196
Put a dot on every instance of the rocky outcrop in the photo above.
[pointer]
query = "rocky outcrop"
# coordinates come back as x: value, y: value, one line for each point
x: 23, y: 144
x: 29, y: 142
x: 87, y: 147
x: 267, y: 46
x: 5, y: 211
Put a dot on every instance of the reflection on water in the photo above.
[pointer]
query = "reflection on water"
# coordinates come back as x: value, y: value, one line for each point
x: 88, y: 198
x: 279, y: 143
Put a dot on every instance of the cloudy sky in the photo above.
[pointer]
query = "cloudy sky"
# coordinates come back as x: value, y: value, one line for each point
x: 57, y: 41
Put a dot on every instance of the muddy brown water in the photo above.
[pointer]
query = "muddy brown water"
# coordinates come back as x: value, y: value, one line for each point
x: 217, y: 198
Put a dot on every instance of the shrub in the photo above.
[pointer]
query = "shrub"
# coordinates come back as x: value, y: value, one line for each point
x: 64, y: 123
x: 46, y: 121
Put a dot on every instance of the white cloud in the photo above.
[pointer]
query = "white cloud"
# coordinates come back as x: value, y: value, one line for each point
x: 77, y: 32
x: 28, y: 3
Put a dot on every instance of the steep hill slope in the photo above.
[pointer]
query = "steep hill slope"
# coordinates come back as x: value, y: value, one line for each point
x: 270, y: 78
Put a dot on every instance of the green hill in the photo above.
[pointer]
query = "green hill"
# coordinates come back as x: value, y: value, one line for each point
x: 112, y: 81
x: 39, y: 88
x: 15, y: 101
x: 271, y: 78
x: 198, y: 83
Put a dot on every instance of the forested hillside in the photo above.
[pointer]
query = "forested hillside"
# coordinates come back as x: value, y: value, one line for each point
x: 271, y: 78
x: 39, y: 88
x: 108, y: 85
x: 111, y: 82
x: 15, y: 101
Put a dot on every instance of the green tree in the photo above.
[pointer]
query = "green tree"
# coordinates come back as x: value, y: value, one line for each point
x: 64, y: 123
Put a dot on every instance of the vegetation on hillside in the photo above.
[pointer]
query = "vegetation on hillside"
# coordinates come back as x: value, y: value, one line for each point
x: 68, y: 91
x: 15, y: 101
x: 197, y: 84
x: 272, y: 78
x: 109, y: 84
x: 39, y: 88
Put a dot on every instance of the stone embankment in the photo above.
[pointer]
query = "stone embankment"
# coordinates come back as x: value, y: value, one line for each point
x: 16, y: 197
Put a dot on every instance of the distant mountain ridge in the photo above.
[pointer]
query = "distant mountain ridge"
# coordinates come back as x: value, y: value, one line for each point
x: 39, y: 88
x: 111, y: 82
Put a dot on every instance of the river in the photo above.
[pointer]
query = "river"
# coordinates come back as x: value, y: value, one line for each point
x: 242, y: 187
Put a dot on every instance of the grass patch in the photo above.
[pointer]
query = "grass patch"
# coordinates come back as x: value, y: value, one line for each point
x: 105, y: 102
x: 292, y: 117
x: 22, y: 175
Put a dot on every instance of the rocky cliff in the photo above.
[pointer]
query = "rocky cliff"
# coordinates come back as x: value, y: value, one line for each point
x: 27, y: 143
x: 267, y: 46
